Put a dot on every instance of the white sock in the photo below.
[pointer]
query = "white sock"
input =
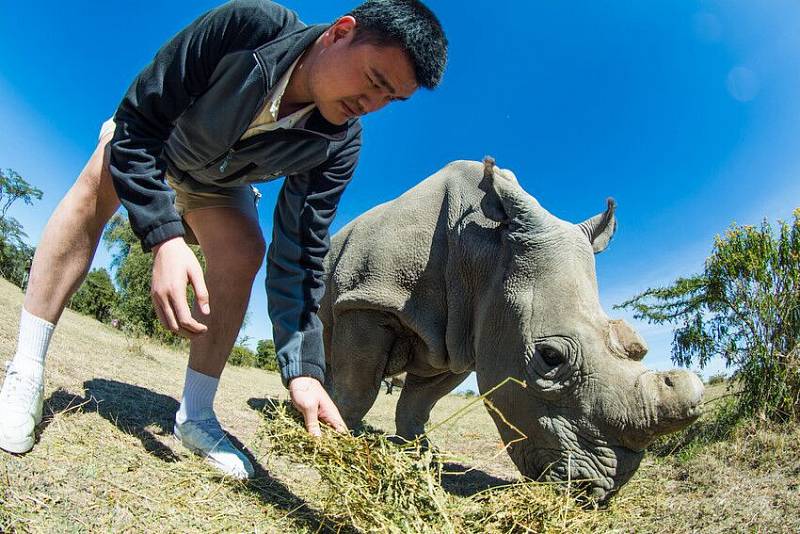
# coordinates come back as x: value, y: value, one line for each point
x: 32, y: 343
x: 198, y: 397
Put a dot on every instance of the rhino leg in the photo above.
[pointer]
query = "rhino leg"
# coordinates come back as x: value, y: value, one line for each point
x: 360, y: 347
x: 418, y: 397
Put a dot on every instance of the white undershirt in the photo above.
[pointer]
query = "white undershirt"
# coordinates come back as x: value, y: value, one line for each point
x: 267, y: 118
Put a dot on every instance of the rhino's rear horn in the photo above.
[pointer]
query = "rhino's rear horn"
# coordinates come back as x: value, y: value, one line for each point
x: 488, y: 166
x: 600, y: 228
x: 623, y: 339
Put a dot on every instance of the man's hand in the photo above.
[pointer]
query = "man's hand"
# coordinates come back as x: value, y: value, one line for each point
x: 175, y: 266
x: 311, y: 400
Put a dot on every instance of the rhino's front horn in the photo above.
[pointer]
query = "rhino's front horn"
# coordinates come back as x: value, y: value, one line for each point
x: 623, y: 339
x: 673, y: 399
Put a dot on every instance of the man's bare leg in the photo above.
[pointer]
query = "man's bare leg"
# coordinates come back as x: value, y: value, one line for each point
x: 70, y: 238
x: 61, y: 262
x: 234, y: 249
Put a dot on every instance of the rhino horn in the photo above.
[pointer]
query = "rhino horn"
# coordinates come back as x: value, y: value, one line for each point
x: 600, y: 228
x: 624, y: 339
x: 516, y: 207
x: 674, y: 400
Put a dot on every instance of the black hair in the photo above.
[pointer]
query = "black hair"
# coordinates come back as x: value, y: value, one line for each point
x: 410, y: 25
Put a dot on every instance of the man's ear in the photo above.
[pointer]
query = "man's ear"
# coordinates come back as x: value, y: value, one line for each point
x: 340, y: 29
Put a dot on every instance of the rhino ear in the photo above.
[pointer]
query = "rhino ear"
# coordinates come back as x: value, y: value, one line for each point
x: 505, y: 201
x: 600, y: 228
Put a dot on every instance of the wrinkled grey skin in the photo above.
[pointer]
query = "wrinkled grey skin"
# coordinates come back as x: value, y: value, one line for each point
x: 466, y: 271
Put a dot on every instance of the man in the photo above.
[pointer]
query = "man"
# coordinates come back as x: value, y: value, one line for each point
x: 246, y: 93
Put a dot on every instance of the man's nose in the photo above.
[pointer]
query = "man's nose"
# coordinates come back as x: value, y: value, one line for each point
x: 370, y: 103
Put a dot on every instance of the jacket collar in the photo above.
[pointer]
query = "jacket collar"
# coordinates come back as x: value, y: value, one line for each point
x: 276, y: 56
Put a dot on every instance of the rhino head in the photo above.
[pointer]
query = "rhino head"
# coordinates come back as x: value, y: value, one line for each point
x: 590, y: 406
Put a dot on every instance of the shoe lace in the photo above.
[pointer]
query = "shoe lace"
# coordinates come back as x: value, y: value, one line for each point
x: 212, y: 431
x: 18, y: 385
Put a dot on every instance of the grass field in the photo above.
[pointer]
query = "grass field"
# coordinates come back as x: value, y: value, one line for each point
x: 105, y: 459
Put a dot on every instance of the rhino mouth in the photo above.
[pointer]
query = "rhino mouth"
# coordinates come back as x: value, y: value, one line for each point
x: 592, y: 477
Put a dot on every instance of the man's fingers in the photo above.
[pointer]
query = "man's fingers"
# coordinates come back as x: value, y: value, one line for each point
x: 330, y: 415
x: 200, y: 290
x: 160, y: 314
x: 166, y: 316
x: 184, y: 316
x: 312, y: 423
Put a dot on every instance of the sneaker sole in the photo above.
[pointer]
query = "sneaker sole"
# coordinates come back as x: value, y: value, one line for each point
x: 17, y: 447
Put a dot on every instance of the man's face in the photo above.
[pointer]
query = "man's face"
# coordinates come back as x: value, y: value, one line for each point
x: 350, y: 79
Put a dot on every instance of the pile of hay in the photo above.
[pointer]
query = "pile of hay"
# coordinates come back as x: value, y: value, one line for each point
x: 376, y: 485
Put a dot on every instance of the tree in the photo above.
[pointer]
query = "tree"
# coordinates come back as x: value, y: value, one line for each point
x: 12, y: 188
x: 133, y: 270
x: 96, y: 296
x: 15, y: 254
x: 744, y: 307
x: 266, y: 357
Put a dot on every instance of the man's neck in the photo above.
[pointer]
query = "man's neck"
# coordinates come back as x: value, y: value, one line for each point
x: 297, y: 94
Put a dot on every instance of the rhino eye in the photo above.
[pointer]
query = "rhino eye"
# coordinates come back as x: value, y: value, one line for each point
x: 551, y: 356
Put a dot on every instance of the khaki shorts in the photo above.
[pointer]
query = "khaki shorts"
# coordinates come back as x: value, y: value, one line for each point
x: 243, y: 197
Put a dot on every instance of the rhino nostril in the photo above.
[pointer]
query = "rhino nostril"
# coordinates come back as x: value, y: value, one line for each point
x: 668, y: 381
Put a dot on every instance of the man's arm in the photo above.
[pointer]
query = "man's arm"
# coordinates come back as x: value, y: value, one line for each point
x: 305, y: 209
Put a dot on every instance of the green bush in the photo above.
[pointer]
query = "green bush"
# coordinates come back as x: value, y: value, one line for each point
x: 242, y: 356
x: 96, y: 296
x: 265, y: 355
x: 745, y: 308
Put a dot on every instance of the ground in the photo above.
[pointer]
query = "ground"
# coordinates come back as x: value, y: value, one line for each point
x: 105, y: 458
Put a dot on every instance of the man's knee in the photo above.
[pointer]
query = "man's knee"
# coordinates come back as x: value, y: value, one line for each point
x: 93, y: 193
x: 243, y: 256
x: 253, y: 253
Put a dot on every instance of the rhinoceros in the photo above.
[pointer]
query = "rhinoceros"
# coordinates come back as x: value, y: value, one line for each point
x: 466, y: 271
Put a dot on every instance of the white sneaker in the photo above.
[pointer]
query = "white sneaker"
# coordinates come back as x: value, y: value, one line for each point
x: 21, y: 401
x: 206, y: 438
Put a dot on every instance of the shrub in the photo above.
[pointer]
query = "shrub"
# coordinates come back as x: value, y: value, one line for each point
x: 242, y: 356
x: 96, y: 296
x: 744, y: 307
x: 266, y: 357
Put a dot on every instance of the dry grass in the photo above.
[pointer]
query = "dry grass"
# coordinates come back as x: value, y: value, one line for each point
x: 105, y: 461
x: 375, y: 485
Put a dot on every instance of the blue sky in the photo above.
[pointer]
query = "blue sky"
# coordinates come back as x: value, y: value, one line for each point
x: 685, y: 112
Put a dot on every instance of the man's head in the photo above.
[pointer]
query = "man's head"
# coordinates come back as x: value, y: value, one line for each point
x: 379, y: 52
x: 410, y: 26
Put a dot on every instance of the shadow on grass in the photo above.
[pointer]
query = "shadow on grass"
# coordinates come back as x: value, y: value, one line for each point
x: 135, y: 409
x: 130, y: 408
x: 457, y: 479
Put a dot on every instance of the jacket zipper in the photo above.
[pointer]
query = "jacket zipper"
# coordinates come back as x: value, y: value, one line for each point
x: 226, y: 161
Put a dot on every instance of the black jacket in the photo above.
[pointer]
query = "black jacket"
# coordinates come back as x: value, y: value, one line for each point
x: 186, y: 112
